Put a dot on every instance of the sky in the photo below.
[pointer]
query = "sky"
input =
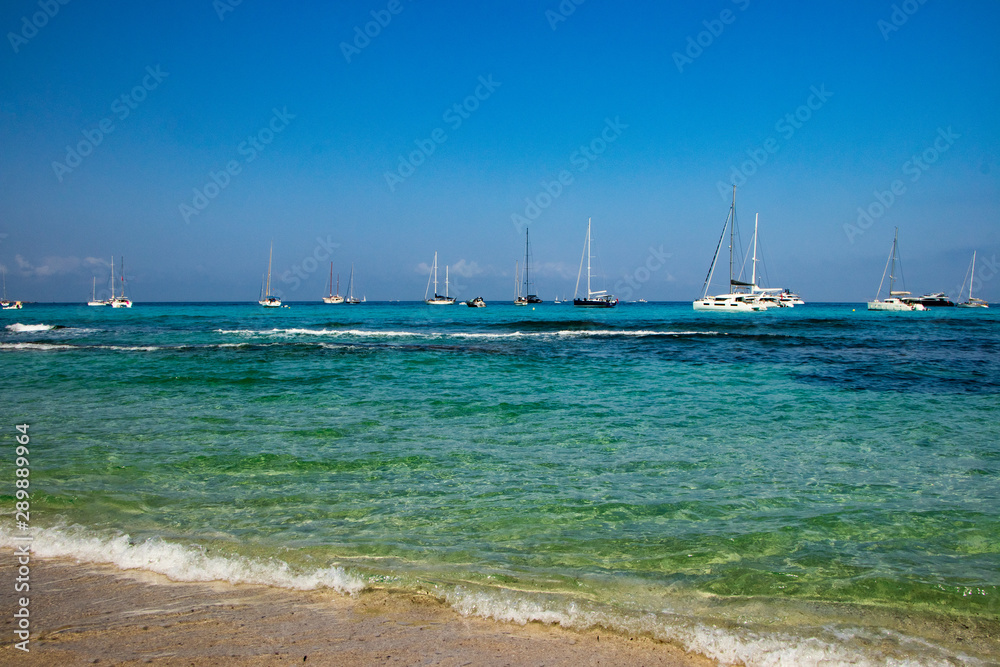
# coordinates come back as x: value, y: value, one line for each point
x: 187, y: 137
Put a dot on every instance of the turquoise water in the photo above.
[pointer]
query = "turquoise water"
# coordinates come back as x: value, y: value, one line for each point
x: 807, y: 484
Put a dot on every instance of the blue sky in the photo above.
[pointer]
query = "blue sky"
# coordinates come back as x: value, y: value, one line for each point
x: 186, y: 136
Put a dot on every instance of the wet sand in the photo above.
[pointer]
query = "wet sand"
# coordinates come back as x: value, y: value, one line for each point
x: 84, y: 614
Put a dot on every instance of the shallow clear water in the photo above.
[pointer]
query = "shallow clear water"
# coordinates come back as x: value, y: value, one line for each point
x: 816, y: 483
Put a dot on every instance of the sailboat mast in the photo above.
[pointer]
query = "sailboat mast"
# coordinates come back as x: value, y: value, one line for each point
x: 112, y: 276
x: 435, y: 273
x: 269, y: 257
x: 972, y: 276
x: 527, y: 280
x: 732, y: 236
x: 753, y: 269
x: 892, y: 268
x: 331, y: 280
x: 446, y: 281
x: 588, y: 257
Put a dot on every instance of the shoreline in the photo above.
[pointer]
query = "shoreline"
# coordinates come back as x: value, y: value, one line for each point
x: 84, y: 613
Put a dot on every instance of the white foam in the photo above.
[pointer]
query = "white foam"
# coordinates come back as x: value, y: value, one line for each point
x: 17, y: 327
x: 179, y: 562
x: 35, y: 346
x: 367, y: 333
x: 731, y: 644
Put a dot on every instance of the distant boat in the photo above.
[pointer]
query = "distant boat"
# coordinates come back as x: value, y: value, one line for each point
x: 94, y: 301
x: 267, y: 299
x: 519, y: 299
x: 594, y: 298
x: 972, y: 302
x: 476, y: 303
x: 528, y: 285
x: 333, y: 298
x: 895, y: 301
x: 935, y: 300
x: 121, y: 301
x: 4, y: 303
x: 734, y: 301
x: 437, y: 299
x: 351, y: 300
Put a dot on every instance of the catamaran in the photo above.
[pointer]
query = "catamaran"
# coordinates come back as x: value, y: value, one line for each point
x: 333, y: 298
x: 735, y: 301
x: 594, y: 298
x: 437, y: 299
x: 267, y: 299
x: 895, y: 301
x: 973, y: 302
x: 120, y: 301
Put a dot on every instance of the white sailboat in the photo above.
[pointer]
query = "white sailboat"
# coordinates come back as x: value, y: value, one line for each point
x: 351, y: 300
x: 519, y: 299
x: 94, y: 301
x: 594, y: 298
x: 894, y: 302
x: 734, y: 301
x: 4, y: 303
x: 972, y: 302
x: 121, y: 301
x: 333, y: 298
x: 437, y: 299
x: 267, y: 299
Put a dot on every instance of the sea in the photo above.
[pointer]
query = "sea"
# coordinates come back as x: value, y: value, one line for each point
x: 816, y: 485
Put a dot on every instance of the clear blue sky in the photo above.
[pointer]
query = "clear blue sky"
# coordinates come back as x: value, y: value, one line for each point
x: 176, y: 91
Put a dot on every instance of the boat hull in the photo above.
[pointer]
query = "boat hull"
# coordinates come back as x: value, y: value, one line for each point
x: 894, y: 305
x: 333, y: 299
x: 607, y: 302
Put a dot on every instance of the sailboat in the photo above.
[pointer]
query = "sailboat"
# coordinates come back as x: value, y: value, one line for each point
x: 4, y: 303
x: 437, y: 299
x: 519, y: 299
x: 333, y: 298
x: 121, y: 301
x: 351, y: 300
x: 528, y: 296
x: 894, y: 302
x: 594, y: 299
x: 267, y: 299
x: 973, y: 302
x: 734, y: 301
x: 94, y: 301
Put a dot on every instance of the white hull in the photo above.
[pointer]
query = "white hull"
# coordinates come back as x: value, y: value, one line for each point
x: 728, y: 303
x: 121, y: 302
x: 441, y: 301
x: 974, y: 303
x: 894, y: 305
x: 98, y: 303
x: 333, y: 299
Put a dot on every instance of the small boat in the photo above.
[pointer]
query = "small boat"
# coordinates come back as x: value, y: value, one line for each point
x: 120, y: 301
x: 594, y: 298
x: 351, y: 300
x: 895, y: 302
x: 519, y: 299
x: 972, y: 302
x: 333, y: 298
x: 4, y: 303
x: 437, y: 299
x: 476, y: 303
x: 94, y: 301
x: 267, y: 299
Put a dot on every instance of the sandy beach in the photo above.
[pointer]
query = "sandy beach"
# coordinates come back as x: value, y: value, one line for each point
x: 84, y: 614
